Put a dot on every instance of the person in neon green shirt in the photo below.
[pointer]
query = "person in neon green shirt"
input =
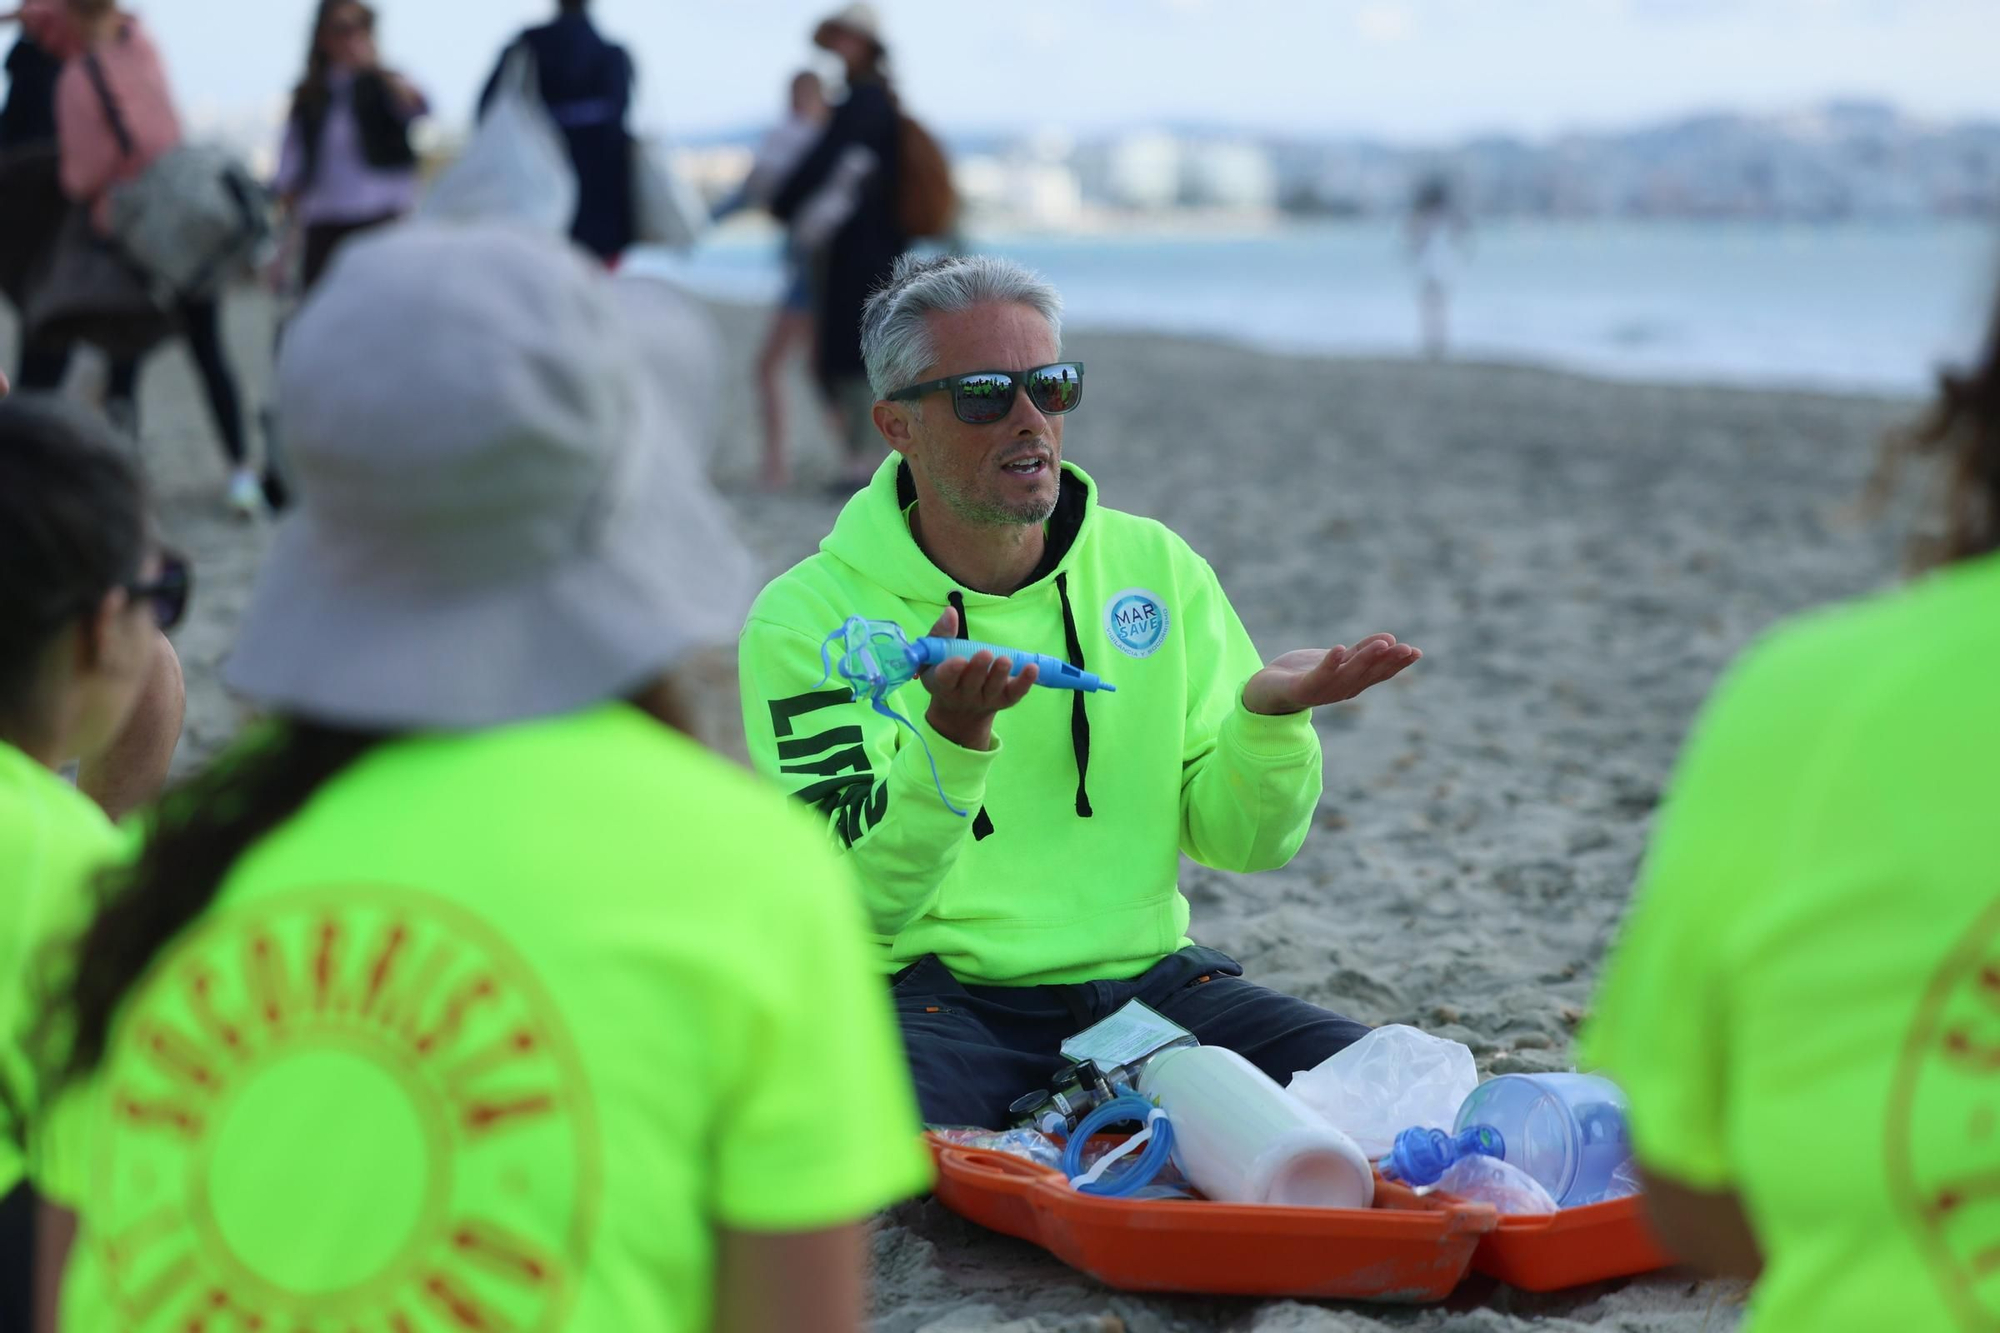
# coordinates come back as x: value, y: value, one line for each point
x: 1804, y: 1002
x: 83, y: 595
x: 1056, y: 900
x: 469, y: 992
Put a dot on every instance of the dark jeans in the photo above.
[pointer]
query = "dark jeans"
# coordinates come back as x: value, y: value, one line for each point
x: 323, y: 238
x: 201, y: 325
x: 974, y: 1049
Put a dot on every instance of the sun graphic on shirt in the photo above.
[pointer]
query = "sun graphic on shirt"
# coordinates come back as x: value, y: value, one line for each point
x: 343, y: 1110
x: 1944, y: 1126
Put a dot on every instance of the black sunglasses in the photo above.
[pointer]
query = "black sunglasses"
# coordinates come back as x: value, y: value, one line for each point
x: 986, y: 396
x: 169, y: 592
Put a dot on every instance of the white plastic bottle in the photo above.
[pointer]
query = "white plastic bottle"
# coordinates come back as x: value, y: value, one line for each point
x: 1240, y: 1138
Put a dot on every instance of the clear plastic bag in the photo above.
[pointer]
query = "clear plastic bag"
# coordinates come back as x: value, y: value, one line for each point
x: 1391, y: 1079
x: 1032, y: 1144
x: 1038, y: 1147
x: 1481, y: 1179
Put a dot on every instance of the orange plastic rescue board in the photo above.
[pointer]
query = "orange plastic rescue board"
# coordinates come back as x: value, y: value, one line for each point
x: 1406, y: 1249
x: 1594, y: 1243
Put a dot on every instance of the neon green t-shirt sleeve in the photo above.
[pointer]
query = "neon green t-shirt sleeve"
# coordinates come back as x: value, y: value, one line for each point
x: 822, y: 1128
x: 1661, y: 1022
x: 52, y: 846
x: 1249, y: 783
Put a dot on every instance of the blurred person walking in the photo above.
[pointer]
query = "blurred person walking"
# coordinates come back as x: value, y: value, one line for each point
x: 1435, y: 236
x: 347, y: 165
x: 1801, y: 1002
x: 586, y: 83
x: 792, y: 325
x: 861, y: 150
x: 31, y: 198
x: 472, y: 913
x: 116, y: 117
x: 84, y: 596
x: 29, y: 116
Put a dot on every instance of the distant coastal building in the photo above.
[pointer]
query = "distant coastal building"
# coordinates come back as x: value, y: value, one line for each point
x: 1142, y: 172
x: 1020, y: 191
x: 1237, y: 176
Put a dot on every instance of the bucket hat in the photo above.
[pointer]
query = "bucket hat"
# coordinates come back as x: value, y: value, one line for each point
x: 502, y: 512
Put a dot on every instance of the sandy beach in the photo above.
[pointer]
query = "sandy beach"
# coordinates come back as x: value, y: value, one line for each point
x: 1577, y: 559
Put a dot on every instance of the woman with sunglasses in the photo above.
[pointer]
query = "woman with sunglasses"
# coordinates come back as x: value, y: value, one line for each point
x: 84, y: 674
x: 347, y: 164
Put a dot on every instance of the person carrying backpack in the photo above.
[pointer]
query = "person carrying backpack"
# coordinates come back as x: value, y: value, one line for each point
x: 865, y: 133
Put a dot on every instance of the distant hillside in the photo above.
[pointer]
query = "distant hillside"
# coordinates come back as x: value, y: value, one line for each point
x: 1845, y: 159
x: 1842, y: 160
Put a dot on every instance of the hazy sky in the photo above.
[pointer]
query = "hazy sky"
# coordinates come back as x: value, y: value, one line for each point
x: 1404, y: 69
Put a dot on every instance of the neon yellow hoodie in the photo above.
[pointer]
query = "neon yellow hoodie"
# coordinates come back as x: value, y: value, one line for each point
x: 1068, y: 871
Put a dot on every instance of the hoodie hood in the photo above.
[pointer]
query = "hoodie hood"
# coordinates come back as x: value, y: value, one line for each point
x: 873, y: 534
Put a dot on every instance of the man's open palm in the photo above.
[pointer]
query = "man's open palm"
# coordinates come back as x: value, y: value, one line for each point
x: 1310, y: 677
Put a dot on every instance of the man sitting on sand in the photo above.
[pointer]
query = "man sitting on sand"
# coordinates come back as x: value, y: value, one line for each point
x: 1055, y: 901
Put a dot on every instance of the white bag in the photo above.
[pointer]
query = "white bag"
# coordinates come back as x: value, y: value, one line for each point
x: 666, y: 210
x: 516, y: 167
x: 1392, y: 1079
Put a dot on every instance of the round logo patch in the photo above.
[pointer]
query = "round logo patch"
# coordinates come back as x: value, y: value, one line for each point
x: 1944, y: 1125
x: 339, y: 1111
x: 1137, y: 622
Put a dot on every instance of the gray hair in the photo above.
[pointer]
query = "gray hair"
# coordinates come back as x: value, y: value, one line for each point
x: 895, y: 334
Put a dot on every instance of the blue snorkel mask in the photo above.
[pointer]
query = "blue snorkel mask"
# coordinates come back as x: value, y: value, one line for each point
x: 876, y: 658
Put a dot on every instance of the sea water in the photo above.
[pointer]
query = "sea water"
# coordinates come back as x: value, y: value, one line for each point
x: 1865, y: 307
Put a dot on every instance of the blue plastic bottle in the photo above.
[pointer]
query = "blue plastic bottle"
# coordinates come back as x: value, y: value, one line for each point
x: 1565, y: 1130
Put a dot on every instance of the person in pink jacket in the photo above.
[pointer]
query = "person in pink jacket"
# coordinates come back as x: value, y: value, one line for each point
x: 97, y: 153
x: 115, y: 117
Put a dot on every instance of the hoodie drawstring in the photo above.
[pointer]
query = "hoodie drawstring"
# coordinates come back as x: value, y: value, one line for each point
x: 1079, y: 719
x: 982, y: 825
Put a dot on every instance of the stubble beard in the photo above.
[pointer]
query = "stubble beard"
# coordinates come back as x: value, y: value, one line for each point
x: 990, y: 512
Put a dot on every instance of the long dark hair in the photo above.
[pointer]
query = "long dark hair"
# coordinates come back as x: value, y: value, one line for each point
x: 314, y: 90
x: 202, y: 828
x: 1963, y: 428
x: 72, y: 528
